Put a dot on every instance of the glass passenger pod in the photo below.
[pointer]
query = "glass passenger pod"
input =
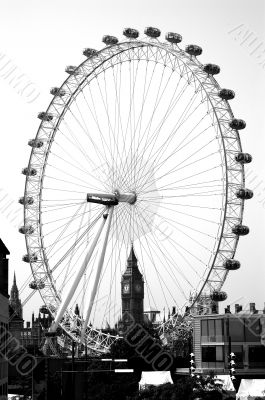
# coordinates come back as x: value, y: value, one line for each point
x: 226, y: 94
x: 28, y: 171
x: 110, y: 40
x: 72, y: 70
x: 237, y: 124
x: 173, y: 37
x: 244, y: 194
x: 26, y: 229
x: 218, y: 296
x: 29, y: 258
x: 44, y: 310
x: 45, y: 116
x: 152, y: 32
x: 193, y: 50
x: 240, y: 230
x: 28, y: 200
x: 211, y: 69
x: 243, y: 158
x: 35, y: 285
x: 131, y: 33
x: 231, y: 264
x: 88, y: 52
x: 55, y: 91
x: 36, y: 143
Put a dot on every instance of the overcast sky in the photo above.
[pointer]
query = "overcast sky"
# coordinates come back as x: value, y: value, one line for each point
x: 40, y: 38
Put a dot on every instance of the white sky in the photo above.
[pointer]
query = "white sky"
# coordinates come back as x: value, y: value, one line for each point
x: 42, y: 37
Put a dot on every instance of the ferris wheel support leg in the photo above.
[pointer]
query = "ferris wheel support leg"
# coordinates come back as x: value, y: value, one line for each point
x: 100, y: 265
x: 79, y: 275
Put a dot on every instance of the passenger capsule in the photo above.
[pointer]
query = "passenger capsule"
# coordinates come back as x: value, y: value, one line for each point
x: 29, y: 171
x: 88, y: 52
x: 243, y: 158
x: 226, y: 94
x: 240, y: 230
x: 72, y: 70
x: 173, y: 37
x: 36, y: 143
x: 59, y: 92
x: 44, y: 310
x: 45, y: 116
x: 152, y: 32
x: 35, y: 285
x: 237, y: 124
x: 110, y: 40
x: 244, y: 194
x: 26, y: 229
x: 28, y: 200
x: 218, y: 296
x: 193, y: 50
x: 131, y: 33
x: 211, y: 69
x: 231, y: 264
x: 29, y: 258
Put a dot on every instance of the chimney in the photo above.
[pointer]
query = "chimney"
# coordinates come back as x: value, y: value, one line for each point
x: 173, y: 310
x: 28, y: 324
x: 252, y: 308
x: 227, y: 310
x: 238, y: 308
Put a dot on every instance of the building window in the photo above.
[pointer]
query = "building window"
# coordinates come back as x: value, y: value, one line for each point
x: 252, y: 329
x: 212, y: 330
x: 212, y: 353
x: 256, y: 356
x: 236, y: 330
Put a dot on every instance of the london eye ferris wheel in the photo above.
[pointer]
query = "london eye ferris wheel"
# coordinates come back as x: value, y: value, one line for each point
x: 138, y: 147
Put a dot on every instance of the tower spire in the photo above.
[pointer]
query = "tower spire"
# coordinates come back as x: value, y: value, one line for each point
x: 14, y: 298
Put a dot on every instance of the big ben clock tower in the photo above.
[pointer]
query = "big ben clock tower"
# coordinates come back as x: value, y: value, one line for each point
x: 132, y: 291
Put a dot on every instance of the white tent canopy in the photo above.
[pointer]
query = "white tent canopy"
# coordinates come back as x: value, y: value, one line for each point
x: 225, y: 381
x: 249, y: 389
x: 154, y: 378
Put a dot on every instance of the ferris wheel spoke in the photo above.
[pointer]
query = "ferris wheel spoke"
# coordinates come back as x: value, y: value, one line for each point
x: 188, y: 177
x: 80, y: 273
x: 175, y: 128
x: 141, y: 113
x: 177, y: 228
x: 98, y: 273
x: 77, y: 240
x: 67, y: 173
x: 78, y: 166
x: 158, y: 154
x: 86, y: 131
x: 105, y: 146
x: 153, y: 251
x: 76, y: 140
x: 65, y: 239
x: 106, y: 108
x: 158, y: 98
x: 116, y: 261
x: 130, y: 123
x: 169, y: 262
x: 150, y: 257
x: 189, y: 215
x: 177, y: 244
x: 169, y: 110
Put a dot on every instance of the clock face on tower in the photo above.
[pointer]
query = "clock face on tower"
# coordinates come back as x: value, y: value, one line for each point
x: 138, y: 287
x: 126, y: 288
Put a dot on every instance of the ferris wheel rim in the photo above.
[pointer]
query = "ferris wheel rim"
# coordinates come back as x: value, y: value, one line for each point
x: 133, y: 43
